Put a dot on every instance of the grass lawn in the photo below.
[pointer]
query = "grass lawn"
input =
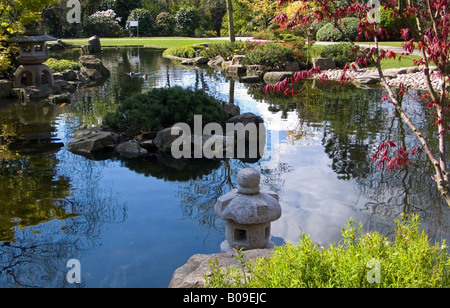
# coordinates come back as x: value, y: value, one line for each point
x: 163, y: 42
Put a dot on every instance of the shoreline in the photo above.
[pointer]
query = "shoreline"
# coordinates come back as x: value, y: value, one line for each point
x: 411, y: 77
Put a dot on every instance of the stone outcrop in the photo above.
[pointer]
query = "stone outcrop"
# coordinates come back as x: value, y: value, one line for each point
x: 191, y: 275
x: 274, y: 77
x: 89, y: 140
x: 93, y: 72
x: 131, y: 148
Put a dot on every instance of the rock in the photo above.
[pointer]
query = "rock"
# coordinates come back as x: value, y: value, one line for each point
x: 60, y: 98
x: 225, y: 64
x: 256, y: 70
x: 292, y: 66
x: 191, y: 275
x: 274, y: 77
x: 164, y: 139
x: 216, y: 62
x: 250, y: 79
x: 69, y: 75
x: 235, y: 70
x: 187, y: 62
x: 5, y: 88
x: 246, y: 118
x: 93, y: 72
x: 201, y: 60
x: 58, y: 46
x: 368, y: 79
x: 232, y: 110
x: 88, y: 140
x: 237, y: 60
x: 94, y: 45
x: 61, y: 86
x: 131, y: 148
x: 324, y: 63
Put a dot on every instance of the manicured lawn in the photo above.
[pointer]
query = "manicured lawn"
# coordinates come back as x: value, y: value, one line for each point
x: 163, y: 42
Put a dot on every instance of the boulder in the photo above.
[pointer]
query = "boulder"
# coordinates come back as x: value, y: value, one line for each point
x: 191, y: 275
x: 94, y: 45
x: 131, y: 148
x: 69, y: 75
x: 216, y: 62
x: 256, y: 70
x: 250, y: 79
x: 237, y: 60
x: 88, y: 140
x: 5, y: 88
x: 235, y: 70
x: 93, y: 72
x: 368, y: 79
x: 201, y: 61
x: 225, y: 64
x: 324, y: 63
x: 232, y: 110
x: 187, y: 62
x: 246, y: 118
x: 164, y: 139
x: 274, y: 77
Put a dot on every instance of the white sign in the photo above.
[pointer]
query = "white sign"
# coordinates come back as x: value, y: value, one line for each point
x: 134, y: 23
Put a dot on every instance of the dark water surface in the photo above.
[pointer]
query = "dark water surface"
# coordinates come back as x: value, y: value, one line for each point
x: 132, y: 222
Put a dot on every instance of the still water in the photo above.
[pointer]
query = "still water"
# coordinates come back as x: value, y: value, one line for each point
x: 133, y: 222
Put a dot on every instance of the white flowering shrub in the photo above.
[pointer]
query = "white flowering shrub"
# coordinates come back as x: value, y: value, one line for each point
x: 102, y: 24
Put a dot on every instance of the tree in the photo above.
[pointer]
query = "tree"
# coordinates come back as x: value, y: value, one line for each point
x: 14, y: 15
x: 231, y: 21
x: 430, y: 34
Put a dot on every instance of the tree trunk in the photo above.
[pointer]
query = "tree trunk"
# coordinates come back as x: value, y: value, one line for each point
x: 231, y: 21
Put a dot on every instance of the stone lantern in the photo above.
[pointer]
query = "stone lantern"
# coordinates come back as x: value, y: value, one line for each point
x: 248, y: 213
x: 32, y: 72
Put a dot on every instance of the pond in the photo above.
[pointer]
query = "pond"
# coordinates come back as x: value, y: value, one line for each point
x: 133, y: 222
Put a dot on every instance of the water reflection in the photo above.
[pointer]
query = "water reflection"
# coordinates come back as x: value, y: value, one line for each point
x: 132, y: 222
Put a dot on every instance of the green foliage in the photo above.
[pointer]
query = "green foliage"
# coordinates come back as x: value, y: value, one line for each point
x: 146, y: 22
x: 187, y: 20
x: 341, y: 53
x: 102, y: 24
x: 274, y: 55
x: 165, y: 23
x: 331, y: 34
x: 61, y: 65
x: 225, y: 49
x: 183, y: 51
x: 394, y: 24
x: 163, y: 107
x: 361, y: 260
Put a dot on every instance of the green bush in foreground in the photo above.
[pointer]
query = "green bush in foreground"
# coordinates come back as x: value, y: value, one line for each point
x: 183, y: 51
x: 367, y: 260
x: 163, y: 107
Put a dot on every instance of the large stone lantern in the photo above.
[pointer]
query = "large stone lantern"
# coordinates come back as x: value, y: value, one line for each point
x: 248, y: 213
x: 32, y: 72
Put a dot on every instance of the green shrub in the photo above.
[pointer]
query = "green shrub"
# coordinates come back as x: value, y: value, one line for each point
x: 163, y: 107
x: 183, y: 52
x: 331, y: 34
x: 361, y: 260
x: 225, y: 49
x: 273, y: 55
x: 61, y: 65
x: 341, y: 53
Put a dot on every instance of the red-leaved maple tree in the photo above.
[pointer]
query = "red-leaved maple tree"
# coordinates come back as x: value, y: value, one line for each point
x: 428, y: 31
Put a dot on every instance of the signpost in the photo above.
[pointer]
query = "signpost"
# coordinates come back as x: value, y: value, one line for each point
x: 135, y: 23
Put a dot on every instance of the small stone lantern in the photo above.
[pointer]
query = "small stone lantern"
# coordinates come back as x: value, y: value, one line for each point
x: 33, y: 53
x: 248, y: 213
